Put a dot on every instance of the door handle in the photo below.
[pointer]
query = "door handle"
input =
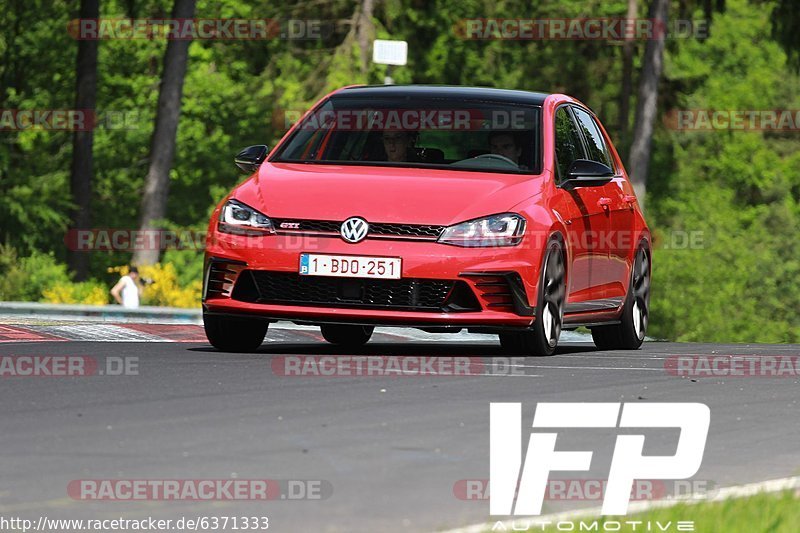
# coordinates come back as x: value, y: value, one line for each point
x: 629, y: 199
x: 604, y: 202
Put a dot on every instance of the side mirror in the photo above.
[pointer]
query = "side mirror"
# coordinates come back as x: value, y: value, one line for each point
x: 249, y: 159
x: 586, y: 173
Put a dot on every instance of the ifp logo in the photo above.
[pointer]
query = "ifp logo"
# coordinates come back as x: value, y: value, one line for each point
x: 627, y: 463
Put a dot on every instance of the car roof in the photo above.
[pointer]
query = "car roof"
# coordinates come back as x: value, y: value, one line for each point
x: 444, y: 91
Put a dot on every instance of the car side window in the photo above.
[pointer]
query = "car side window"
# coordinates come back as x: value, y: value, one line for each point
x: 598, y: 150
x: 568, y: 142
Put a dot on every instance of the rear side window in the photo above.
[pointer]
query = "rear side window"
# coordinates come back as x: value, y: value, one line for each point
x: 568, y: 142
x: 598, y: 151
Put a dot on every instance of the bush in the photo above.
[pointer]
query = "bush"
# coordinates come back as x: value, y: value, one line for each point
x: 12, y: 279
x: 188, y: 265
x: 87, y: 292
x: 27, y: 278
x: 165, y: 290
x: 40, y: 278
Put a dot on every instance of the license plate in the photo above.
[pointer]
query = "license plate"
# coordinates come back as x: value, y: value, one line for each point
x: 350, y: 266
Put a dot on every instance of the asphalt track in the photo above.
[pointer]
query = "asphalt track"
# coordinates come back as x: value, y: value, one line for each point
x: 391, y: 451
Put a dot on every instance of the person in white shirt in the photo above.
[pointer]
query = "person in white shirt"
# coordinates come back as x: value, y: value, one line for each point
x: 127, y: 290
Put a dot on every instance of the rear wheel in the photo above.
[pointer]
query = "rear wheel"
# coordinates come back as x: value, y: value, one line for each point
x: 345, y: 335
x: 629, y: 333
x: 234, y: 334
x: 542, y: 338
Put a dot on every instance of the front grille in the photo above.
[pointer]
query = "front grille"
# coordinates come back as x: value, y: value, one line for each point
x: 307, y: 226
x: 409, y: 294
x: 406, y: 230
x: 383, y: 230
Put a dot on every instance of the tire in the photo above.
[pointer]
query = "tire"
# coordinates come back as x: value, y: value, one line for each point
x: 629, y: 333
x: 234, y: 334
x: 542, y: 338
x: 344, y: 335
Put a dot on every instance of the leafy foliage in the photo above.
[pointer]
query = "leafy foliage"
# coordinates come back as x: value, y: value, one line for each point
x: 738, y: 189
x: 39, y: 277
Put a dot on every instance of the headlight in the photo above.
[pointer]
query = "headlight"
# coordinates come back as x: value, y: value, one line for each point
x: 240, y: 219
x: 497, y: 230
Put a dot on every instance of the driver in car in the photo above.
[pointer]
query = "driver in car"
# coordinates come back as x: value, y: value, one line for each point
x: 399, y: 145
x: 506, y: 144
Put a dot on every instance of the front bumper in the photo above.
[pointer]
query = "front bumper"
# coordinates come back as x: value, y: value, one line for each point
x: 501, y: 280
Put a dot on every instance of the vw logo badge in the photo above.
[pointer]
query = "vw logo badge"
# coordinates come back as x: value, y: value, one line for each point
x: 354, y: 229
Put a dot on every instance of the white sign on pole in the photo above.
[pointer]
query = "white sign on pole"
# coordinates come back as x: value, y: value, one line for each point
x: 390, y: 52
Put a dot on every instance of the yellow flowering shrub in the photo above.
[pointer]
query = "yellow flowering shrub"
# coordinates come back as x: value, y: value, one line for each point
x: 76, y: 293
x: 165, y: 289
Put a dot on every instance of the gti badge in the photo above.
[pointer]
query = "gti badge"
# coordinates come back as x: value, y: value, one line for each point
x: 354, y: 229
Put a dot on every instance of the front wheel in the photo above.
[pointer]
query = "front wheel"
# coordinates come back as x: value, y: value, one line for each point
x: 234, y: 334
x: 345, y: 335
x: 542, y: 339
x: 629, y: 333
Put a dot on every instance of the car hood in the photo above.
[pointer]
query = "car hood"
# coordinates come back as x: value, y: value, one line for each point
x: 382, y: 194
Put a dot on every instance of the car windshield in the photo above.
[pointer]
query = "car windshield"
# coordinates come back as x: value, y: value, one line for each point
x: 440, y: 133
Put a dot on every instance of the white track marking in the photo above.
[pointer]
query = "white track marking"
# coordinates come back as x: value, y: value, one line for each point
x: 562, y: 367
x: 99, y: 333
x: 281, y: 332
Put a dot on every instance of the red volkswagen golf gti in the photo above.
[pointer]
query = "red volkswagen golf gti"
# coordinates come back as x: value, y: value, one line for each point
x: 438, y: 208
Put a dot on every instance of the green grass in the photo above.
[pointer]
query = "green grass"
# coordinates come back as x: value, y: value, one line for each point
x: 767, y: 513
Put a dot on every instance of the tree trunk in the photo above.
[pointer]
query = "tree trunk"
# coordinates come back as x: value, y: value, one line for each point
x: 627, y: 80
x: 162, y: 146
x: 81, y: 173
x: 647, y: 104
x: 365, y: 32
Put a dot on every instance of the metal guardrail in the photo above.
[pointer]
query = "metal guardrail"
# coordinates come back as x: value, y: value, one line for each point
x: 101, y: 313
